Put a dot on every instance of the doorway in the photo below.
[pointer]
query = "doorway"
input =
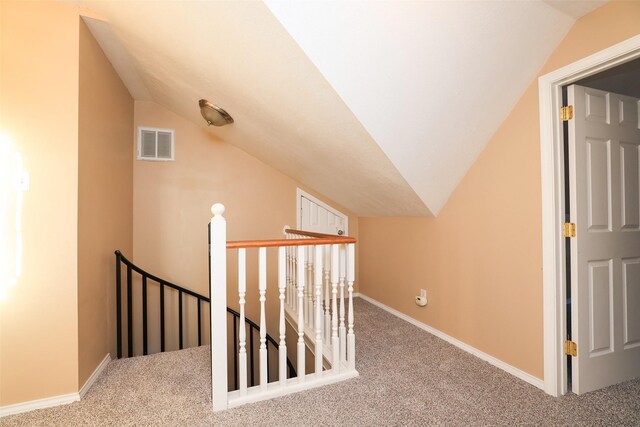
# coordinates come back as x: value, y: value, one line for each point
x: 604, y: 205
x: 554, y: 197
x: 316, y: 216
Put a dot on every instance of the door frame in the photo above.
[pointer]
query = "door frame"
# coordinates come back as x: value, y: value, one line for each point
x: 300, y: 193
x: 552, y: 177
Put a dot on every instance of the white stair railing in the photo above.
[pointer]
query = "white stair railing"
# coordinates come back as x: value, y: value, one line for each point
x: 313, y: 272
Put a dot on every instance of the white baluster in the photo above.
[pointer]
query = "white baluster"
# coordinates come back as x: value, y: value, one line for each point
x: 335, y: 342
x: 318, y: 308
x: 286, y: 273
x: 351, y: 338
x: 242, y: 290
x: 218, y: 307
x: 290, y: 287
x: 282, y: 348
x: 292, y: 275
x: 310, y: 287
x: 301, y: 347
x: 342, y: 331
x: 262, y: 287
x: 294, y: 278
x: 307, y: 299
x: 286, y: 236
x: 327, y: 295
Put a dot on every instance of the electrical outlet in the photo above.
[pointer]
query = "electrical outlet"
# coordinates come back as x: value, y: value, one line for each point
x: 422, y: 299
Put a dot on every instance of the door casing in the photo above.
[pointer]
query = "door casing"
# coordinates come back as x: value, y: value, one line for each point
x: 552, y: 177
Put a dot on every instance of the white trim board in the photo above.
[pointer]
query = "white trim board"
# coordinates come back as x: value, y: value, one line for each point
x: 461, y: 345
x: 49, y: 402
x: 32, y: 405
x: 552, y: 160
x: 95, y: 375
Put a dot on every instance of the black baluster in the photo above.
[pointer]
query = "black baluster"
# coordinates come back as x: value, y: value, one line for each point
x: 235, y: 352
x: 145, y: 345
x: 119, y: 302
x: 199, y: 324
x: 268, y: 369
x: 251, y: 354
x: 180, y: 318
x: 129, y: 314
x: 161, y: 316
x: 268, y: 362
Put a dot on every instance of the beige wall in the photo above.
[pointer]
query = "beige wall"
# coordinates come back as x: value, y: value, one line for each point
x: 481, y: 258
x: 172, y: 202
x: 39, y: 96
x: 105, y: 199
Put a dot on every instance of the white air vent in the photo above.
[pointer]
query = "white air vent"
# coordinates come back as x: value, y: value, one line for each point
x: 156, y: 144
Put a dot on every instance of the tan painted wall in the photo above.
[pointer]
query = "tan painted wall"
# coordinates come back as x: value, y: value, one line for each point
x: 39, y: 96
x: 172, y: 202
x: 481, y: 258
x: 105, y: 199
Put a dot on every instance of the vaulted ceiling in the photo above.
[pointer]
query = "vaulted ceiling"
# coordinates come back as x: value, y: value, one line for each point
x: 380, y: 105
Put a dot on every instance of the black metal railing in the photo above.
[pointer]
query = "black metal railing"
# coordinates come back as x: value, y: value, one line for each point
x: 147, y: 278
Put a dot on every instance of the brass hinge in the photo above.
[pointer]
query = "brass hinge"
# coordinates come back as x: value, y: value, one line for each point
x: 566, y: 113
x: 570, y: 348
x: 568, y: 229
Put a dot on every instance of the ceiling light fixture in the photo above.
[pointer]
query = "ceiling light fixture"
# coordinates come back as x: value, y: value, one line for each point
x: 213, y: 114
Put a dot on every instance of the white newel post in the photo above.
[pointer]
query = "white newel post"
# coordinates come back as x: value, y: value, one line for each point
x: 218, y: 306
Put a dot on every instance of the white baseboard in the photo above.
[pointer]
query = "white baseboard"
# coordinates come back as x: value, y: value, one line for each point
x: 49, y: 402
x: 94, y: 376
x: 537, y: 382
x: 32, y: 405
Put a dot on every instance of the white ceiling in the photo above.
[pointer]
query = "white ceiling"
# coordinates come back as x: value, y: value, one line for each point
x: 382, y: 106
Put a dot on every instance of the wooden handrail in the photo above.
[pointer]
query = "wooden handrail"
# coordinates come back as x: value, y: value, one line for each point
x: 317, y: 239
x: 318, y: 235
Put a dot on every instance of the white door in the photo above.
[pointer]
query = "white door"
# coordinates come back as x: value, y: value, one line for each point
x: 604, y: 156
x: 319, y: 217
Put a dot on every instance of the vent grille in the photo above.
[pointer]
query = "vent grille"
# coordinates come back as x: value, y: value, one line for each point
x: 165, y: 145
x: 156, y: 144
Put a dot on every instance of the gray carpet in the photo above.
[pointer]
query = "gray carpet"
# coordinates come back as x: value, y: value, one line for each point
x: 407, y: 377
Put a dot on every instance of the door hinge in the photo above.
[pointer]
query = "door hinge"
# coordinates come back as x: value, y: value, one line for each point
x: 570, y: 348
x: 568, y: 229
x: 566, y: 113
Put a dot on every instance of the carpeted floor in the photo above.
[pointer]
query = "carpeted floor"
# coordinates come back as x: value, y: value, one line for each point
x: 407, y: 377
